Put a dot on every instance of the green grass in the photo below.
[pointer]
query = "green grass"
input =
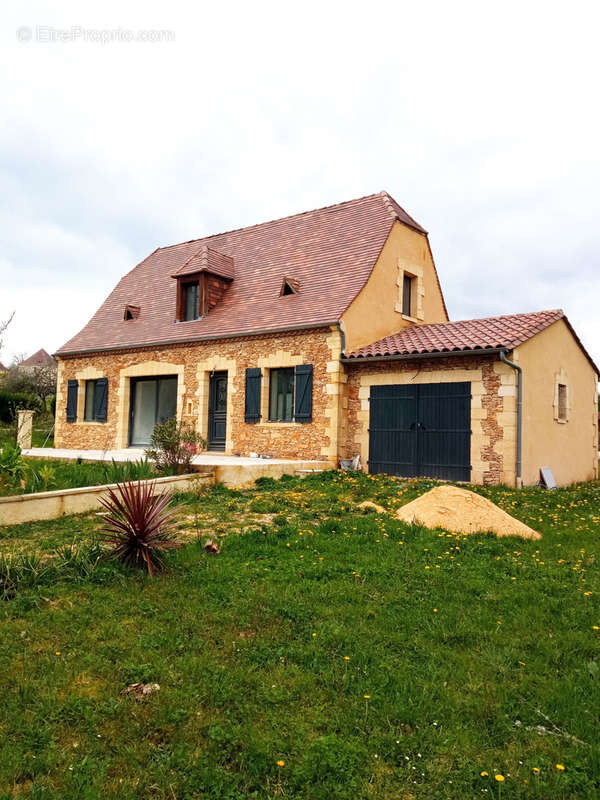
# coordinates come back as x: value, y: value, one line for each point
x: 47, y: 474
x: 265, y: 653
x: 39, y: 436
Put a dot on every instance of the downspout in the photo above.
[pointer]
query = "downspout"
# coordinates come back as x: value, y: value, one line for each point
x: 504, y: 359
x: 343, y: 337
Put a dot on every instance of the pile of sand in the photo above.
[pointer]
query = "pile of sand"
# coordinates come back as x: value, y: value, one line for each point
x: 461, y: 511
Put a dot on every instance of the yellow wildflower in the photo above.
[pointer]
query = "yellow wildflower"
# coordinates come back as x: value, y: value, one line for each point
x: 499, y: 778
x: 560, y: 767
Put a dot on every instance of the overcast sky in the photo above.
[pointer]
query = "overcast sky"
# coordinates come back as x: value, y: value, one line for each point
x: 481, y: 119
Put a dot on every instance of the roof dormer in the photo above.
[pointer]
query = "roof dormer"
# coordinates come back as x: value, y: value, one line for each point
x: 289, y: 286
x: 201, y: 283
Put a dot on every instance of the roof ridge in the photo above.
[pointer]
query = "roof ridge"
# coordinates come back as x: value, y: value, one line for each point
x: 278, y: 219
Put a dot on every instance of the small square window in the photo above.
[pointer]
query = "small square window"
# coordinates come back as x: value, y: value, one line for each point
x: 89, y: 414
x: 281, y: 395
x: 562, y: 402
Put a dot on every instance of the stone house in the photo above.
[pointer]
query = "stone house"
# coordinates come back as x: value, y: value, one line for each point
x: 326, y: 335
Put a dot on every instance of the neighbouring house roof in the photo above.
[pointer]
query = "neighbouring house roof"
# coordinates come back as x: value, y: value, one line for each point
x: 330, y: 252
x: 39, y: 359
x: 452, y: 338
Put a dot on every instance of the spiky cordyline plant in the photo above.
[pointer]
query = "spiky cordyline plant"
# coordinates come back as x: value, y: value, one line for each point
x: 139, y: 524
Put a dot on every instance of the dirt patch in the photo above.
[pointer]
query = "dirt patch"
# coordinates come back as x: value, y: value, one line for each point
x: 461, y: 511
x: 369, y: 506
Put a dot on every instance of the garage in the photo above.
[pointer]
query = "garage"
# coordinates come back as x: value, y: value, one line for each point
x: 421, y: 430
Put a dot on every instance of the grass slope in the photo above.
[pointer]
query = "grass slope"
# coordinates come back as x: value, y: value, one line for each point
x: 369, y: 658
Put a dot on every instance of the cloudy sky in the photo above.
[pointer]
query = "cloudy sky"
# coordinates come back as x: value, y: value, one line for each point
x: 481, y: 119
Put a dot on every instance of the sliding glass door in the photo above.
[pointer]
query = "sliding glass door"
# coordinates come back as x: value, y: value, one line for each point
x: 153, y: 400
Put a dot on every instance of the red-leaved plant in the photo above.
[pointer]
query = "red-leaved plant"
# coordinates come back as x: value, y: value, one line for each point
x: 139, y: 524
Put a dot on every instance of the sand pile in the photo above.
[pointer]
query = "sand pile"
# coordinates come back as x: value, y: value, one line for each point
x: 461, y: 511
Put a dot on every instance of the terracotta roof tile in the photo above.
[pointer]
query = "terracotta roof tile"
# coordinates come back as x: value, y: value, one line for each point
x: 330, y: 252
x: 452, y: 337
x: 39, y: 359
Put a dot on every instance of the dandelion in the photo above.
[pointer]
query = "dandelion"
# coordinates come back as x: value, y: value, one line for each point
x: 58, y: 652
x: 435, y: 610
x: 281, y: 763
x: 536, y: 770
x: 499, y: 778
x: 367, y: 696
x: 346, y: 658
x: 314, y: 634
x: 484, y: 774
x: 560, y: 767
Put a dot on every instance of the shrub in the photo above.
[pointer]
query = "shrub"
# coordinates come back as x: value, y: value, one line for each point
x: 139, y: 524
x: 174, y: 444
x: 11, y: 402
x: 13, y: 467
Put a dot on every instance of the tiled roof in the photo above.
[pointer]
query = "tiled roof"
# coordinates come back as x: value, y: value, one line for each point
x: 39, y: 359
x: 330, y: 252
x: 453, y: 337
x: 207, y: 260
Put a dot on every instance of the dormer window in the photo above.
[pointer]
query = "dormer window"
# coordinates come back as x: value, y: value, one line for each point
x: 191, y: 294
x: 131, y: 312
x: 289, y: 286
x: 407, y: 295
x: 201, y: 283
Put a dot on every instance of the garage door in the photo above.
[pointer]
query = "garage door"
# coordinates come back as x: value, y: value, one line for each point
x: 422, y: 430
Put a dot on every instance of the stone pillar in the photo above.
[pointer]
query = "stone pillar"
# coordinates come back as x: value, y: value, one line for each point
x: 24, y: 429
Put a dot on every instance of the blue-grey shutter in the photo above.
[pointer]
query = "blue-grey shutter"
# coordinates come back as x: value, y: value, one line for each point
x: 101, y: 400
x: 304, y: 387
x: 72, y: 401
x: 252, y: 409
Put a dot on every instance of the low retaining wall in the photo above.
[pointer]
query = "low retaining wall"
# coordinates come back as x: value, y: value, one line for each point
x: 243, y: 476
x: 21, y: 508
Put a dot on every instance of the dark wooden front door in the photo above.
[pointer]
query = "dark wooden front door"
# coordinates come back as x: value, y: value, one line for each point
x: 217, y: 411
x: 421, y: 430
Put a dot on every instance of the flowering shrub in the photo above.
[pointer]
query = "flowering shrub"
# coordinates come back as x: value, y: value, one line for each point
x: 174, y: 444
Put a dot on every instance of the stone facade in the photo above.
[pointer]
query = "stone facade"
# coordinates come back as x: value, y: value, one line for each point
x: 493, y: 407
x: 193, y: 363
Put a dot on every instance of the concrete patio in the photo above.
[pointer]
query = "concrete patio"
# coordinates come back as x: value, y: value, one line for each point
x: 231, y: 471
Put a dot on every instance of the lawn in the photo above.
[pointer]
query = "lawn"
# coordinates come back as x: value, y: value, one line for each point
x: 42, y: 434
x: 325, y: 653
x: 47, y: 474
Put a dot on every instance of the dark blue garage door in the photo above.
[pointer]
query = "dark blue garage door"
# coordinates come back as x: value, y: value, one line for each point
x: 422, y: 430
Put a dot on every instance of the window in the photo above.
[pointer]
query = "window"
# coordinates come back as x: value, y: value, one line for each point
x: 131, y: 312
x: 562, y: 402
x: 407, y: 303
x: 281, y: 401
x: 96, y: 400
x: 191, y: 294
x: 90, y: 394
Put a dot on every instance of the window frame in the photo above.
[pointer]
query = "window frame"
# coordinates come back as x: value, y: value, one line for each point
x: 273, y: 373
x: 562, y: 402
x: 185, y: 288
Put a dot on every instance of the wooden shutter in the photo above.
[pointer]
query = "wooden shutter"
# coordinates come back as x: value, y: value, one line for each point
x: 252, y: 409
x: 304, y: 387
x: 72, y: 401
x: 101, y: 400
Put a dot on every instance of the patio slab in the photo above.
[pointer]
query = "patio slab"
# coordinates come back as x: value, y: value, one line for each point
x: 232, y: 471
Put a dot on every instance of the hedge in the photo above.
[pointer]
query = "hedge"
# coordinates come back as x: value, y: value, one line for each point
x: 11, y: 402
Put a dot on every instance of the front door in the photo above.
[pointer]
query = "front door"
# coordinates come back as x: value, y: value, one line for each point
x: 217, y: 411
x: 421, y: 430
x: 153, y: 400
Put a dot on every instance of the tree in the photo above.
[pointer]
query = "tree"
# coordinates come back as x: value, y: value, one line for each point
x: 4, y: 325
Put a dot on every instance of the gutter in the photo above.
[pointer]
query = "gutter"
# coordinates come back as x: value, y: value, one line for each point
x: 191, y: 339
x: 519, y: 371
x: 491, y: 351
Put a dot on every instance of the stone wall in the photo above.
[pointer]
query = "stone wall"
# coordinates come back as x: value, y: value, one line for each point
x: 493, y: 407
x: 193, y: 363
